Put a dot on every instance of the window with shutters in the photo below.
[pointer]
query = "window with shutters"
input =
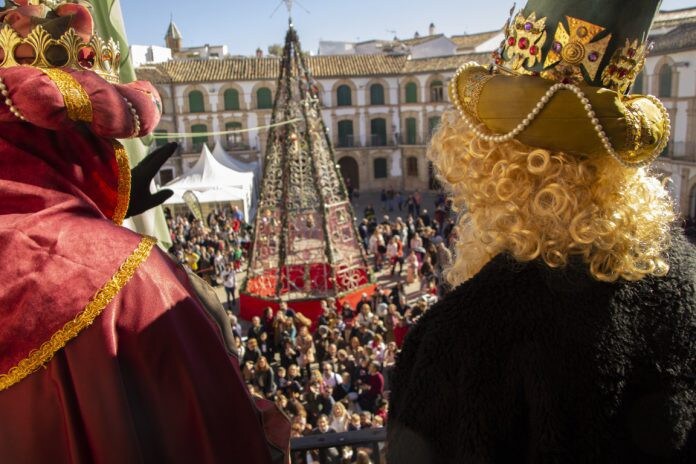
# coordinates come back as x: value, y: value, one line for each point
x: 344, y: 96
x: 380, y: 168
x: 411, y: 93
x: 196, y: 102
x: 376, y: 94
x: 231, y: 100
x: 264, y: 99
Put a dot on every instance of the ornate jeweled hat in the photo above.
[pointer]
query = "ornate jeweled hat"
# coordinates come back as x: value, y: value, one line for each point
x: 560, y: 81
x: 55, y: 34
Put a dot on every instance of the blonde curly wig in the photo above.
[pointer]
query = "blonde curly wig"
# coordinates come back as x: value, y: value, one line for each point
x: 533, y: 203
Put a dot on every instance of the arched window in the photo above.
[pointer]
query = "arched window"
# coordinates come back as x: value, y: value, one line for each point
x: 376, y: 94
x: 264, y: 98
x: 231, y: 100
x: 411, y: 131
x: 378, y: 132
x: 196, y: 102
x: 412, y: 166
x: 345, y: 133
x: 199, y: 140
x: 639, y: 83
x: 380, y: 168
x: 233, y: 140
x: 344, y: 96
x: 411, y: 93
x: 437, y: 93
x: 665, y: 81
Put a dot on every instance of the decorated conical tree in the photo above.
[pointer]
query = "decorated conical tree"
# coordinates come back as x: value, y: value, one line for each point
x: 305, y: 246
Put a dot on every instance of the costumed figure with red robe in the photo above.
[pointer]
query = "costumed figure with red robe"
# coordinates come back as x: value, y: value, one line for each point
x: 109, y: 352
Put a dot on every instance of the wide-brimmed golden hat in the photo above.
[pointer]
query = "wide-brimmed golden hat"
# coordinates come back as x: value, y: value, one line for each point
x: 560, y: 81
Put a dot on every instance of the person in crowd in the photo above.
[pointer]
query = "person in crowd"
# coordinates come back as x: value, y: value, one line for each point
x: 569, y: 335
x: 412, y: 266
x: 229, y: 281
x: 316, y: 402
x: 252, y: 352
x: 395, y: 254
x: 339, y: 417
x: 255, y: 329
x: 427, y: 272
x: 264, y: 378
x: 327, y: 455
x: 372, y: 388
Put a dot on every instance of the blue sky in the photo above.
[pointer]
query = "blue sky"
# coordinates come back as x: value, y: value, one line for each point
x: 244, y: 25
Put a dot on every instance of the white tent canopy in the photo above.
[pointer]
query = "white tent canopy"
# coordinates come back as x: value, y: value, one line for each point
x: 214, y: 182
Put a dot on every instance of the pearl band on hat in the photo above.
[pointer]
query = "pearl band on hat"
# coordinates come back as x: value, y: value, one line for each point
x: 475, y: 126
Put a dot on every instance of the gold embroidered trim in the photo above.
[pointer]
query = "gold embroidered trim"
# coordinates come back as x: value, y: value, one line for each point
x: 94, y: 308
x: 124, y: 183
x: 472, y: 93
x: 76, y: 100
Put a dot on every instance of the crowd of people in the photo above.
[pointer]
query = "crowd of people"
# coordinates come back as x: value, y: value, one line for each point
x: 332, y: 375
x: 214, y: 248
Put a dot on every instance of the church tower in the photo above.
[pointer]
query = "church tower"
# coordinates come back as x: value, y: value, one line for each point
x: 173, y: 37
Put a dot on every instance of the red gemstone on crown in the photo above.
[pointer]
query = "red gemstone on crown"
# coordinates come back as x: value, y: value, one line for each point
x: 512, y: 41
x: 523, y: 43
x: 612, y: 69
x: 533, y: 50
x: 86, y: 57
x: 631, y: 52
x: 623, y: 73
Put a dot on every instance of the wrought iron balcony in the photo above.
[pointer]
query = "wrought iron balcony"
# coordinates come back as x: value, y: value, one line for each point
x: 346, y: 141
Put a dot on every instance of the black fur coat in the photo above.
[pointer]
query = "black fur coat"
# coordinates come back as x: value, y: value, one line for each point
x: 524, y: 364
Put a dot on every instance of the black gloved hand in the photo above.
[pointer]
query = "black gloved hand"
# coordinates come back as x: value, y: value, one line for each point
x: 141, y: 176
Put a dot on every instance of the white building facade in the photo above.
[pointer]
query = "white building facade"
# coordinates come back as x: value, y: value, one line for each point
x: 381, y: 108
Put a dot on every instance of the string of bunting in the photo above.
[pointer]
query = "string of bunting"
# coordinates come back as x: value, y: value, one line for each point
x: 184, y: 135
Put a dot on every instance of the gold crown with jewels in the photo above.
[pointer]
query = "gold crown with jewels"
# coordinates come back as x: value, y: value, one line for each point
x: 53, y: 42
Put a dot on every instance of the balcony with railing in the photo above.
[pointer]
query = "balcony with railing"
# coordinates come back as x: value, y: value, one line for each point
x: 333, y: 447
x: 346, y: 141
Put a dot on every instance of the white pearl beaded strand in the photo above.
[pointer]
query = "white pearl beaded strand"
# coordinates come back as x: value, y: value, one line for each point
x: 541, y: 104
x: 8, y: 101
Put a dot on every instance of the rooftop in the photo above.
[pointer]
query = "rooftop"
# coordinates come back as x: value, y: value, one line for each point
x: 471, y: 41
x: 248, y: 69
x: 674, y: 18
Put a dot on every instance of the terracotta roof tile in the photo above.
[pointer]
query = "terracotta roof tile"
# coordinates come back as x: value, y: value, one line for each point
x: 444, y: 63
x: 471, y: 41
x: 675, y: 18
x: 153, y: 74
x: 420, y: 40
x: 683, y: 37
x: 249, y: 69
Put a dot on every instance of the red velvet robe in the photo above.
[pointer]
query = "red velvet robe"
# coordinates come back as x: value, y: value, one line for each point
x: 149, y: 380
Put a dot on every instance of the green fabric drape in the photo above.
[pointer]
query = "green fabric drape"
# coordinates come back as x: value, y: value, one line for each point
x: 108, y: 20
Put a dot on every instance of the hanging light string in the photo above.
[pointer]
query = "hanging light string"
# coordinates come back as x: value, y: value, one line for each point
x: 189, y: 135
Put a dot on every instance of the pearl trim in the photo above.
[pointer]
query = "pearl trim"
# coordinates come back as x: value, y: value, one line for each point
x: 136, y: 118
x: 8, y: 101
x: 476, y: 126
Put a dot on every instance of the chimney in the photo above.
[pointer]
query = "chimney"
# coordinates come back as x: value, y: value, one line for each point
x: 259, y: 53
x: 416, y: 35
x: 431, y: 29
